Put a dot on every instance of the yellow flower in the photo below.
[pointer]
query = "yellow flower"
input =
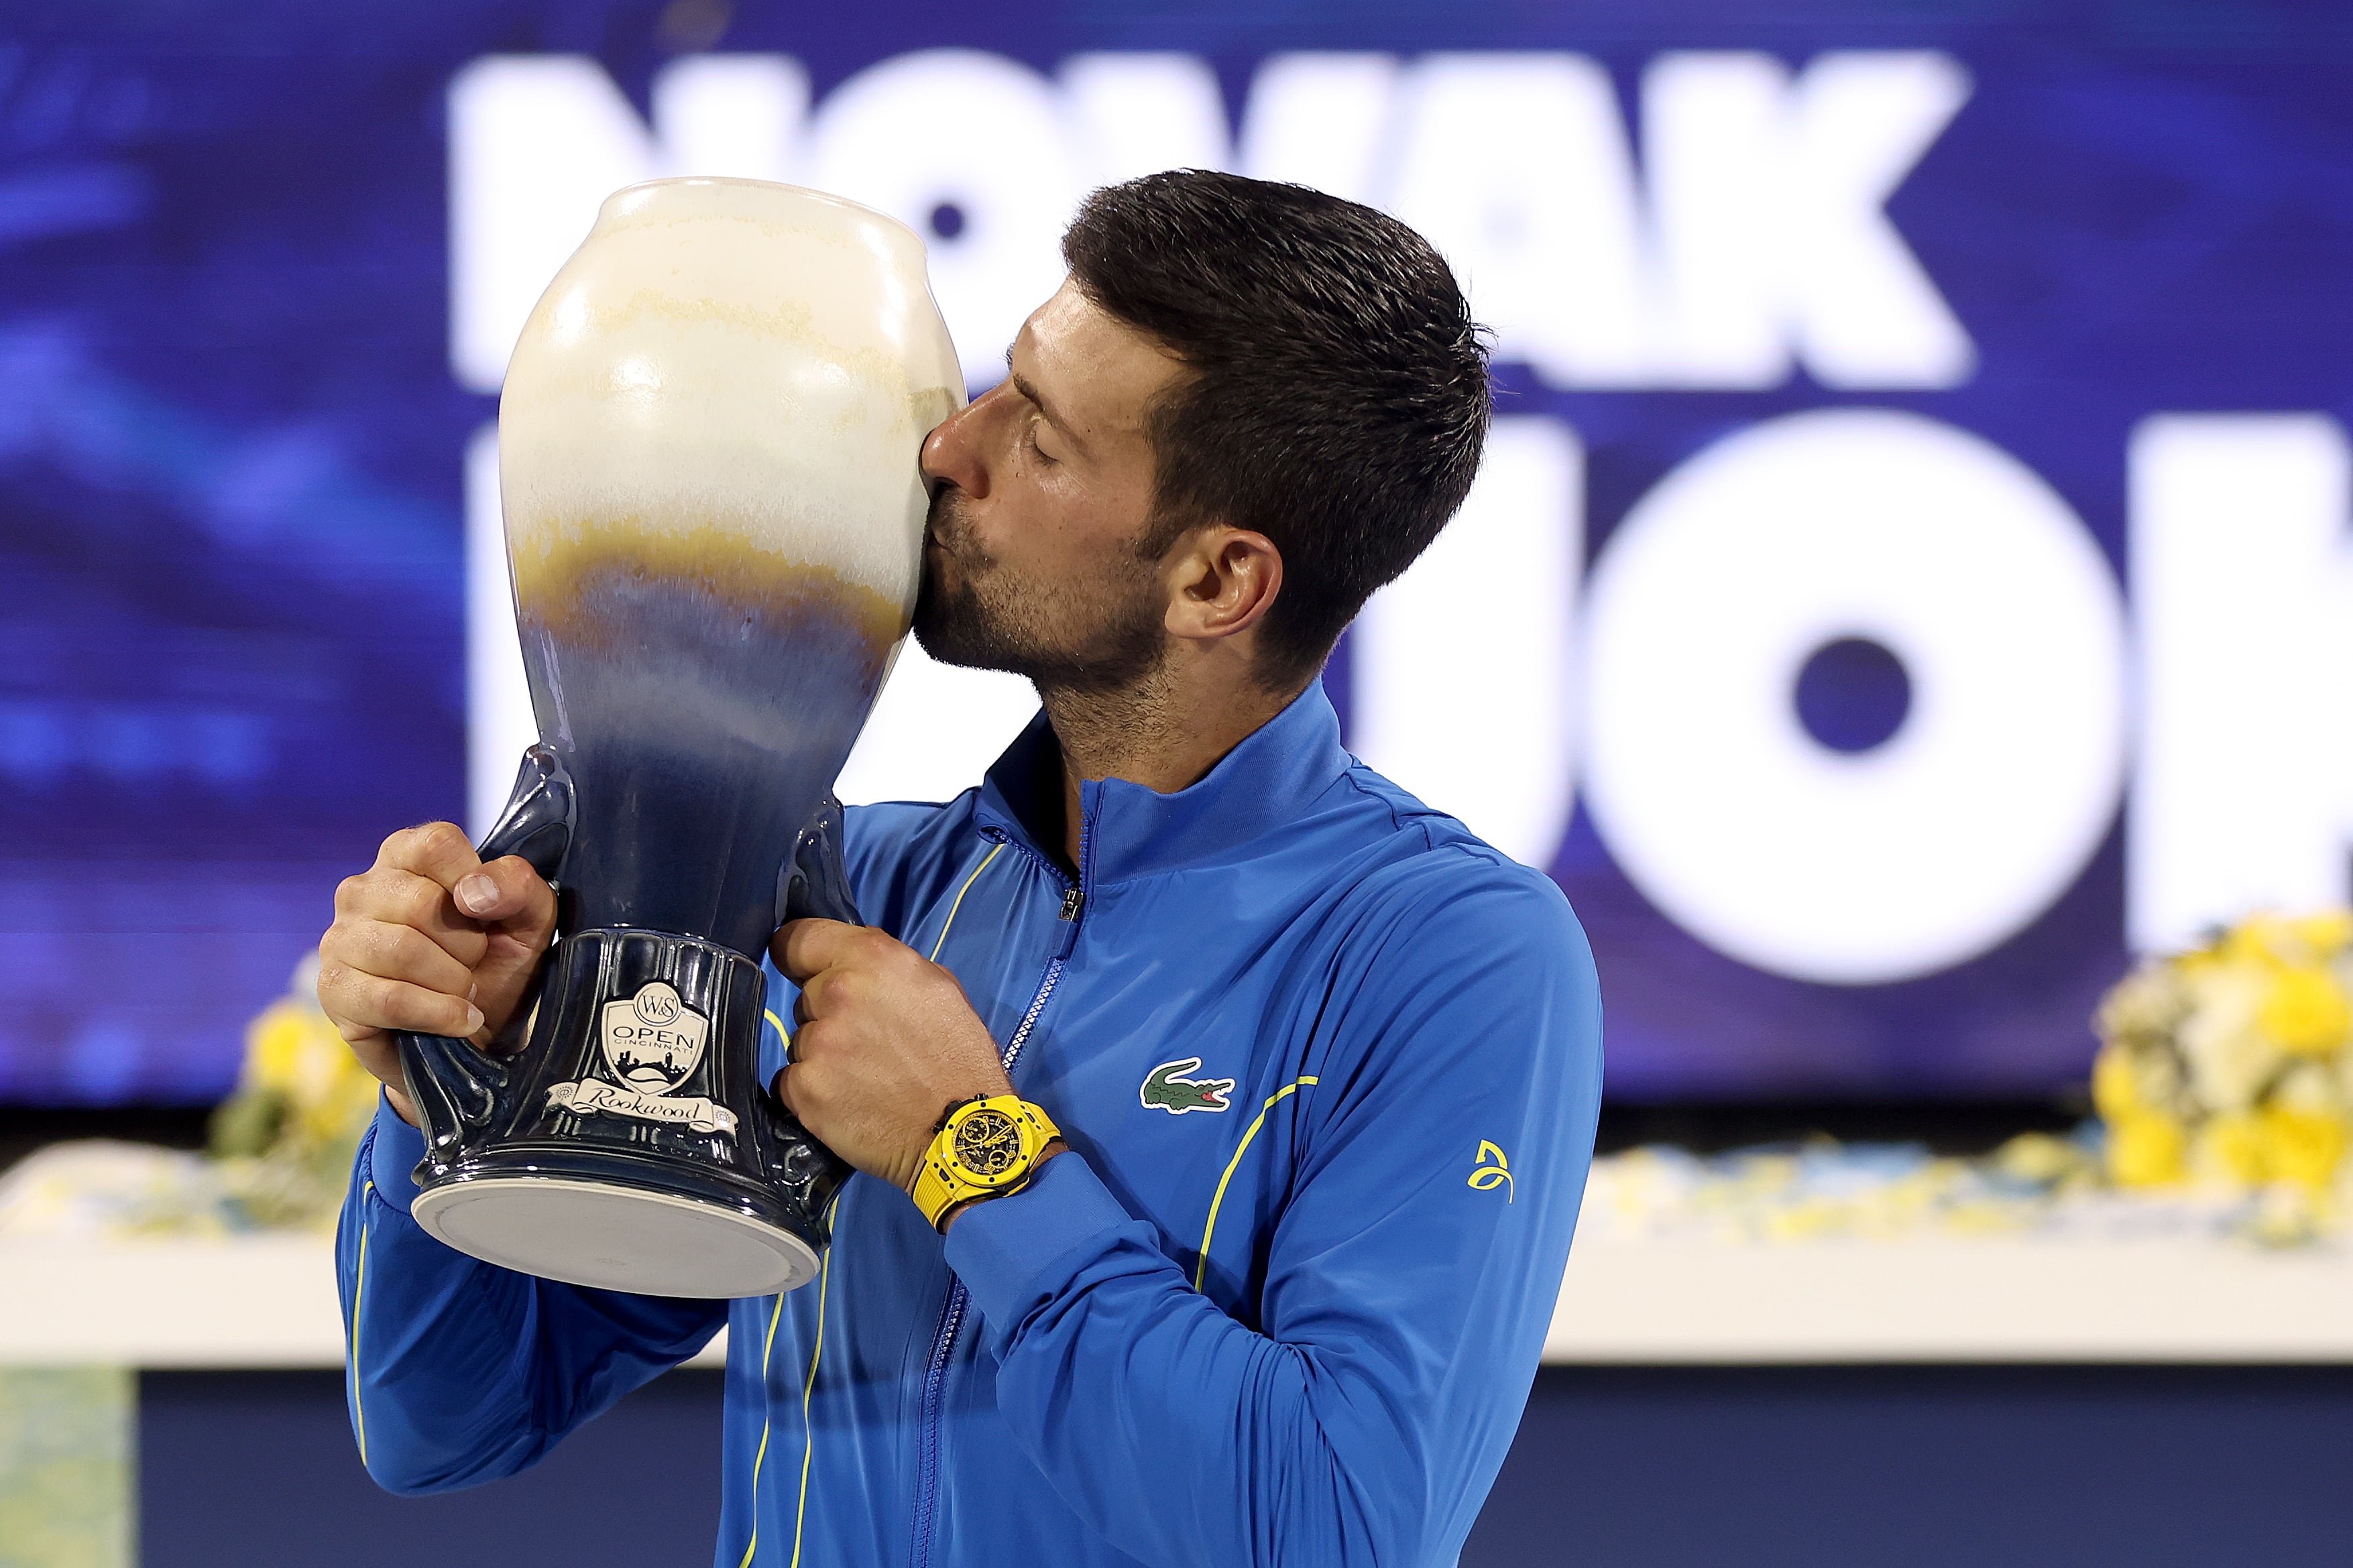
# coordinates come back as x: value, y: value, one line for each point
x: 273, y: 1048
x: 2244, y: 946
x: 2325, y: 934
x: 2230, y: 1055
x: 2147, y: 1004
x: 2129, y: 1080
x: 2316, y: 1085
x: 2145, y: 1150
x: 2302, y: 1146
x: 2232, y: 1065
x: 2231, y: 1151
x: 295, y: 1056
x: 2305, y: 1011
x: 2114, y: 1094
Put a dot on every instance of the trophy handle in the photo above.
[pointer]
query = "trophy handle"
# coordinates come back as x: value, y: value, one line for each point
x: 454, y: 1086
x: 537, y: 822
x: 814, y: 884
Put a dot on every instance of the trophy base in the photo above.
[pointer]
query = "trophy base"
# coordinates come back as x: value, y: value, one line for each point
x: 612, y: 1238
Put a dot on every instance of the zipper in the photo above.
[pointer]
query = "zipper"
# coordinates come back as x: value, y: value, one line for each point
x: 952, y: 1311
x: 927, y: 1452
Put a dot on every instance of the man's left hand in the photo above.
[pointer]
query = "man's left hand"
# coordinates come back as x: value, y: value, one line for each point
x: 886, y: 1042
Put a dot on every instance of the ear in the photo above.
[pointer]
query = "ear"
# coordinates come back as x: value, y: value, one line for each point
x: 1221, y: 582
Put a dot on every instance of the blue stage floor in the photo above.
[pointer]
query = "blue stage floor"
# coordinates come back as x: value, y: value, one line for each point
x: 1627, y: 1467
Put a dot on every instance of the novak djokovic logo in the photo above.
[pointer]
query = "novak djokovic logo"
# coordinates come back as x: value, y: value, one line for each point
x: 1167, y: 1087
x: 652, y: 1042
x: 1486, y: 1177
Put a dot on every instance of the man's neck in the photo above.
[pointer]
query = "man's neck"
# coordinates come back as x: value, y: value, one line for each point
x: 1163, y: 733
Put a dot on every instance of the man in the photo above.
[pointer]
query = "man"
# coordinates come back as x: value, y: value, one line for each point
x: 1325, y: 1067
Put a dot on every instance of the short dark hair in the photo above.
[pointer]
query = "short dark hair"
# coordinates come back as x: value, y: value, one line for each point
x: 1339, y: 397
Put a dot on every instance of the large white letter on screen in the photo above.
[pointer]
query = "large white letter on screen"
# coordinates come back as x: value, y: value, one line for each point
x: 1516, y: 167
x: 536, y: 144
x: 499, y: 723
x: 2242, y: 596
x: 1463, y: 667
x: 538, y: 141
x: 1321, y: 119
x: 1134, y: 114
x: 1767, y: 199
x: 737, y: 115
x: 1715, y: 155
x: 1867, y: 314
x: 1978, y: 811
x: 935, y: 730
x: 943, y: 130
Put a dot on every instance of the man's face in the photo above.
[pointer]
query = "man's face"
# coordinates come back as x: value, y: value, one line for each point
x: 1034, y: 561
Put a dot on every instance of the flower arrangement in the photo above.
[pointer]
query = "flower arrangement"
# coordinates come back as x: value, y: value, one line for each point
x: 2230, y: 1068
x: 286, y: 1138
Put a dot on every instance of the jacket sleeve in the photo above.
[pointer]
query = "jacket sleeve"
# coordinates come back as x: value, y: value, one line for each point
x: 1355, y: 1409
x: 460, y: 1371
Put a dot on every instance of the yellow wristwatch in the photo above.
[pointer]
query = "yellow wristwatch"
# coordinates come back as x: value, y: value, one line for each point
x: 984, y: 1147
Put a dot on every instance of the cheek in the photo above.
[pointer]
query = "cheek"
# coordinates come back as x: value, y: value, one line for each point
x: 1045, y: 532
x: 1036, y: 527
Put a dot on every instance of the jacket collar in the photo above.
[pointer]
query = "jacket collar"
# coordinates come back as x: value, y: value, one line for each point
x: 1269, y: 780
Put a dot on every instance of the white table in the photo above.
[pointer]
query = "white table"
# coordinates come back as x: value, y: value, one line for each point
x: 1952, y: 1300
x: 269, y: 1301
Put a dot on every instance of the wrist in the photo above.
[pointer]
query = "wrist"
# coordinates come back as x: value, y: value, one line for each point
x: 947, y: 1220
x: 989, y: 1145
x: 908, y: 1169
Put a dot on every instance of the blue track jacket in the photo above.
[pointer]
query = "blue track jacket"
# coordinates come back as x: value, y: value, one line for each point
x: 1330, y: 1068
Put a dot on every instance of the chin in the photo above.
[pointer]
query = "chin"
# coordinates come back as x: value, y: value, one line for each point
x: 946, y: 627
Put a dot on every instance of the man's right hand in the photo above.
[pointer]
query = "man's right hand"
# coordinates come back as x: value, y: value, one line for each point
x: 430, y: 940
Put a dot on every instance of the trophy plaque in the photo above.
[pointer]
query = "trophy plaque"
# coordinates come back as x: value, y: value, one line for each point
x: 708, y: 443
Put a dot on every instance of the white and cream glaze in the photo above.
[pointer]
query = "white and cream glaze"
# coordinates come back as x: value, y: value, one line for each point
x: 736, y: 355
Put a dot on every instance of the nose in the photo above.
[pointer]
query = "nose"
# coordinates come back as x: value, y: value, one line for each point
x: 953, y: 451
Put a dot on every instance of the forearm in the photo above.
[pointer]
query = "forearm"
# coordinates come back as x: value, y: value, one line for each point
x: 463, y: 1372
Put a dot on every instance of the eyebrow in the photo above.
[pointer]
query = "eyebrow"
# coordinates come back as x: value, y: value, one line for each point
x: 1022, y: 384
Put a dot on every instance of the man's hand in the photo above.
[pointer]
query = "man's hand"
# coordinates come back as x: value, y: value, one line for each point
x: 430, y: 940
x: 886, y: 1041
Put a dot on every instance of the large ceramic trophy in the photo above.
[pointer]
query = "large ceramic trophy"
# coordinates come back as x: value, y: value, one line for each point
x: 707, y: 456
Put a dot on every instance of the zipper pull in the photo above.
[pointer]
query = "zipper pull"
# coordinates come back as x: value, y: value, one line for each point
x: 1072, y: 902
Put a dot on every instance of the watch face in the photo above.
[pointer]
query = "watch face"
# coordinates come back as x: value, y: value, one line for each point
x: 987, y: 1142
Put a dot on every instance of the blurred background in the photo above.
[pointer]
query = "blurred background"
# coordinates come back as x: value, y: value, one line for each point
x: 1907, y: 606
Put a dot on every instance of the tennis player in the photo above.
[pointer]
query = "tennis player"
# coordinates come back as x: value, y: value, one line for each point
x: 1221, y: 1109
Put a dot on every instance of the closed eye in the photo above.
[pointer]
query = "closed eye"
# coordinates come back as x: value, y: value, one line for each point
x: 1040, y: 411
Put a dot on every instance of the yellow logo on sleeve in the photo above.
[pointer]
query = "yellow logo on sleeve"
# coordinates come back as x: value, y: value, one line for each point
x: 1486, y: 1177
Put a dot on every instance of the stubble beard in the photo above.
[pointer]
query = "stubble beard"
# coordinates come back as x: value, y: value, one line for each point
x: 1095, y: 638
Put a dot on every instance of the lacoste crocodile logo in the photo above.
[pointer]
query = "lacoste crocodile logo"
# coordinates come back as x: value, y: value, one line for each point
x: 1165, y: 1088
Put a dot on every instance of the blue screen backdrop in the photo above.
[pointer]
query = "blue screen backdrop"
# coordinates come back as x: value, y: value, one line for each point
x: 231, y: 448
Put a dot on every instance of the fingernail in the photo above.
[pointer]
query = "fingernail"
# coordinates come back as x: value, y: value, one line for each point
x: 476, y: 893
x: 473, y: 1019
